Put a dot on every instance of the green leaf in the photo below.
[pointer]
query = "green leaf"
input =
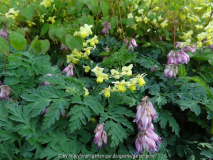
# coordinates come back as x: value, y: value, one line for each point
x: 118, y: 114
x: 35, y: 45
x: 41, y: 98
x: 11, y: 80
x: 78, y: 114
x: 73, y: 42
x: 207, y: 153
x: 182, y: 71
x: 105, y: 7
x: 17, y: 41
x: 44, y: 29
x: 60, y: 34
x: 179, y: 150
x: 27, y: 12
x: 86, y: 20
x: 45, y: 45
x: 192, y: 105
x: 4, y: 49
x: 94, y: 104
x: 165, y: 117
x: 21, y: 31
x: 92, y: 5
x: 116, y: 131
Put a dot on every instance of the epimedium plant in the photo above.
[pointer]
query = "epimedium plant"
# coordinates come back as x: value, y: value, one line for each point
x: 75, y: 74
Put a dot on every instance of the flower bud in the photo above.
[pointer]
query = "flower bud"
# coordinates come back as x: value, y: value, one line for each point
x: 4, y: 92
x: 68, y: 70
x: 4, y: 33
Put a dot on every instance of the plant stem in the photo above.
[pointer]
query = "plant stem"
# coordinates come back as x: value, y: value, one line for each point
x: 76, y: 72
x: 114, y: 16
x: 19, y: 142
x: 4, y: 63
x: 211, y: 13
x: 142, y: 20
x: 187, y: 68
x: 61, y: 59
x: 174, y: 33
x: 121, y: 20
x: 95, y: 88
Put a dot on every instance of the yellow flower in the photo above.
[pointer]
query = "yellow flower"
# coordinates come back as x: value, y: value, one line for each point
x: 87, y: 51
x: 92, y: 43
x: 141, y: 81
x: 46, y: 3
x: 52, y: 19
x: 83, y: 34
x: 132, y: 87
x: 54, y: 7
x: 100, y: 79
x: 127, y: 70
x: 199, y: 44
x: 121, y: 85
x: 93, y: 120
x: 140, y: 11
x: 106, y: 92
x: 101, y: 76
x: 146, y: 20
x: 87, y: 68
x: 138, y: 19
x: 86, y: 92
x: 97, y: 69
x: 30, y: 23
x: 115, y: 73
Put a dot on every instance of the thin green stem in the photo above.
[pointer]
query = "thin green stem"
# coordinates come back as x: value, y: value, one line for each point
x: 19, y: 142
x: 212, y: 127
x: 187, y: 67
x: 95, y: 88
x: 15, y: 157
x: 142, y: 20
x: 4, y: 63
x: 76, y: 72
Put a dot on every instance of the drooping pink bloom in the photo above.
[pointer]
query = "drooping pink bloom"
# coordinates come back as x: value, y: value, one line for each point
x: 151, y: 134
x: 211, y: 46
x: 147, y: 138
x: 133, y: 42
x: 138, y: 114
x: 177, y: 44
x: 106, y: 27
x: 4, y: 33
x: 189, y: 49
x: 154, y: 68
x: 170, y: 71
x: 4, y: 92
x: 153, y: 113
x: 45, y: 82
x: 63, y: 47
x: 68, y: 70
x: 45, y: 111
x: 100, y: 135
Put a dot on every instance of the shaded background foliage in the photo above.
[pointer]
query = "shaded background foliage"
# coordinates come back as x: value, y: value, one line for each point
x: 184, y: 105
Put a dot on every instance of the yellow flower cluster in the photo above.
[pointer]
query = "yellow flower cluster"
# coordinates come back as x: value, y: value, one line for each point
x: 12, y: 13
x: 118, y: 85
x: 46, y: 3
x: 85, y: 31
x: 76, y: 55
x: 206, y: 37
x: 100, y: 75
x: 52, y: 19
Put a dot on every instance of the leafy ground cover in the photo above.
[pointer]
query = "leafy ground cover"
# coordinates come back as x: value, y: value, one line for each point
x: 98, y: 79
